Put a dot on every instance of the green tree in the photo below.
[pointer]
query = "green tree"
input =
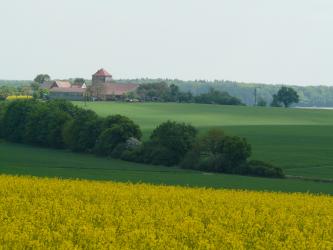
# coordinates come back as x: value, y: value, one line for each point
x: 286, y: 96
x: 79, y: 81
x: 175, y: 138
x: 15, y: 118
x: 218, y: 153
x: 109, y: 139
x: 80, y: 134
x: 131, y: 128
x: 42, y: 78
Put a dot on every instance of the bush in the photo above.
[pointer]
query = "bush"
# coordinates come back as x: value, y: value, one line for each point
x: 157, y: 154
x: 235, y: 151
x: 3, y: 109
x: 216, y: 152
x: 109, y: 140
x: 15, y: 118
x: 260, y: 168
x: 36, y: 125
x: 58, y: 119
x: 217, y: 97
x: 130, y: 129
x: 172, y: 138
x: 134, y: 155
x: 80, y: 133
x: 117, y: 129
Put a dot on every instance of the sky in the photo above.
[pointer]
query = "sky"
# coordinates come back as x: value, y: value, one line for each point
x: 265, y: 41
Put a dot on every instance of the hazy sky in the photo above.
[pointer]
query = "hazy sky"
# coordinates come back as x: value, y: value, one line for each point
x: 269, y: 41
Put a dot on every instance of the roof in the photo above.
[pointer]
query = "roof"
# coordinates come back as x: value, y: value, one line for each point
x: 119, y: 88
x: 68, y: 90
x: 102, y: 72
x: 62, y: 84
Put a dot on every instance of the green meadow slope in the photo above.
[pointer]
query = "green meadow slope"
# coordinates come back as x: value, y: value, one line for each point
x: 18, y: 159
x: 298, y: 140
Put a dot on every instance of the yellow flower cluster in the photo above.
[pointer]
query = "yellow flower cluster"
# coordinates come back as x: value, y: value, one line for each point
x: 40, y: 213
x: 18, y: 97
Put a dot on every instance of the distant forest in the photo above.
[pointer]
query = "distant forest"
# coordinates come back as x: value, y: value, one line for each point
x: 310, y: 96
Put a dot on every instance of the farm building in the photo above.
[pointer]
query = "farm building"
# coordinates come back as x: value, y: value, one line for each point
x: 71, y: 93
x: 56, y: 84
x: 103, y: 88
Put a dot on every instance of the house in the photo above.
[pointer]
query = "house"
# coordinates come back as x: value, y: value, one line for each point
x: 105, y: 88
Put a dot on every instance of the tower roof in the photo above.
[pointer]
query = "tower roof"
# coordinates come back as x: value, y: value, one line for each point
x: 102, y: 72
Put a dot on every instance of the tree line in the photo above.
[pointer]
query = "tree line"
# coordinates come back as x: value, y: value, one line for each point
x: 249, y: 93
x: 60, y: 124
x: 163, y: 92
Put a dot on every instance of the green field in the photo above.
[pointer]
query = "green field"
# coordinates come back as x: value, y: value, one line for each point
x: 298, y: 140
x: 17, y: 159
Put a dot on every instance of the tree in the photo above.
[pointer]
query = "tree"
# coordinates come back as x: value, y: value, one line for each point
x: 80, y: 134
x: 217, y: 97
x: 42, y: 78
x: 7, y: 91
x: 116, y: 130
x: 109, y: 139
x: 217, y: 152
x: 79, y: 81
x: 173, y: 138
x: 130, y: 128
x: 15, y: 118
x: 286, y: 96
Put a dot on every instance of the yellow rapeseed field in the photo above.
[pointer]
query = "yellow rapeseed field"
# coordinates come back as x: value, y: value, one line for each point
x: 38, y: 213
x: 18, y: 97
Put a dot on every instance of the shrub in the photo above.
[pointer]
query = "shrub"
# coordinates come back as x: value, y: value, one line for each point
x: 172, y: 138
x: 235, y: 151
x: 157, y: 154
x: 217, y: 97
x: 216, y: 152
x: 109, y: 139
x: 15, y: 118
x: 58, y: 119
x: 260, y: 168
x: 130, y: 129
x: 134, y: 155
x: 3, y: 108
x: 80, y: 133
x: 36, y: 125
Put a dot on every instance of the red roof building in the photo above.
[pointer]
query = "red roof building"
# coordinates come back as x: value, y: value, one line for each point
x: 119, y: 89
x: 101, y: 77
x: 102, y: 72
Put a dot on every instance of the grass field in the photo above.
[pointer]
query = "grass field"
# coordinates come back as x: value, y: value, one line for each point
x: 27, y: 160
x: 298, y: 140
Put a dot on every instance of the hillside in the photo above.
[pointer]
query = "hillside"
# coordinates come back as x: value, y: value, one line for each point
x: 298, y: 140
x: 59, y: 163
